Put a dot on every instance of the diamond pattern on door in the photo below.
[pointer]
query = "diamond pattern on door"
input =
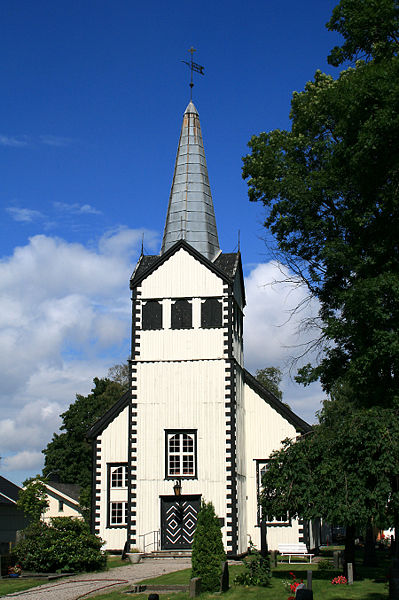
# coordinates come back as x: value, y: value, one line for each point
x: 178, y: 518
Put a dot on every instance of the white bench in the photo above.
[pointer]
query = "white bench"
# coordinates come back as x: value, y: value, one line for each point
x: 299, y: 549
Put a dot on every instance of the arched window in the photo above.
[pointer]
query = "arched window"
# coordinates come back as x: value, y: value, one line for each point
x: 181, y: 317
x: 181, y: 459
x: 211, y: 313
x: 152, y: 315
x: 118, y: 477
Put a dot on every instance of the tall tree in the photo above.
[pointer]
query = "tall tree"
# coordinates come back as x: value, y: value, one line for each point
x: 68, y: 455
x: 341, y: 471
x: 330, y: 186
x: 270, y: 378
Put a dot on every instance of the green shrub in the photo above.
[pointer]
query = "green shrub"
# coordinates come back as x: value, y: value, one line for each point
x: 207, y: 553
x: 64, y: 545
x: 325, y: 565
x: 257, y: 569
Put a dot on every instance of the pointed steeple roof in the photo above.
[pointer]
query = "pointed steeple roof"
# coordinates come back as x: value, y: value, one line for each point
x: 190, y: 212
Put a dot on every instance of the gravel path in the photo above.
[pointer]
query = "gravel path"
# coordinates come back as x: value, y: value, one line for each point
x: 91, y: 584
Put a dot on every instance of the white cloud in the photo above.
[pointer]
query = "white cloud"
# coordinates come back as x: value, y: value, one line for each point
x: 13, y: 141
x: 24, y: 461
x: 64, y: 319
x: 23, y: 215
x: 77, y: 209
x: 56, y: 140
x: 273, y: 336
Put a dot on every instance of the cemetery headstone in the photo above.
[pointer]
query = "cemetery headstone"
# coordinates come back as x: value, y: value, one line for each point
x: 303, y: 594
x: 195, y: 587
x: 350, y: 573
x: 224, y: 578
x: 309, y: 575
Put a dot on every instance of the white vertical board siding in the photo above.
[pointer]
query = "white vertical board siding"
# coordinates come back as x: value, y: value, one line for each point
x: 265, y: 429
x: 179, y: 395
x: 181, y: 276
x: 181, y: 344
x: 114, y: 449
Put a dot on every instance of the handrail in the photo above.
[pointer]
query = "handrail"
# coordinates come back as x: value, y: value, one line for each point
x: 154, y: 543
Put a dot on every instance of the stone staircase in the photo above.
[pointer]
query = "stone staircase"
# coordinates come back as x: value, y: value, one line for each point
x: 168, y: 554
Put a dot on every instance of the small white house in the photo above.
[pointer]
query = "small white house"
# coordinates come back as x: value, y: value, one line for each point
x: 63, y: 499
x: 194, y: 420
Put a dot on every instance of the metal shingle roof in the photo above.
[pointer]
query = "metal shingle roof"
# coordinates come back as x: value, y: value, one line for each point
x: 191, y: 215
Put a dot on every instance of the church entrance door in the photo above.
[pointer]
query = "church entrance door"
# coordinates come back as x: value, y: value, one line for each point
x: 178, y: 520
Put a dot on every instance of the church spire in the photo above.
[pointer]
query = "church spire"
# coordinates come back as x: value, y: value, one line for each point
x: 190, y: 212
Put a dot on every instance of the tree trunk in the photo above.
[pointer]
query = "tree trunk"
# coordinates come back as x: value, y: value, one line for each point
x: 370, y: 556
x: 349, y: 552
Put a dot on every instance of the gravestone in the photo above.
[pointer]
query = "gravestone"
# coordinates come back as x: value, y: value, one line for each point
x: 303, y: 594
x: 153, y: 597
x: 195, y: 587
x: 350, y: 573
x: 273, y: 558
x: 338, y: 557
x: 309, y: 575
x: 224, y: 578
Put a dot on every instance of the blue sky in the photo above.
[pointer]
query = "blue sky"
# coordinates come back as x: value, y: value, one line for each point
x: 92, y: 99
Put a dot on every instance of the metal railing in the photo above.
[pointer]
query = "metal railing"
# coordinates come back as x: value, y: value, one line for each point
x: 151, y: 544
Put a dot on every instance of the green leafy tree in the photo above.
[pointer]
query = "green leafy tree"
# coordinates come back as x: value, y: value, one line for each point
x: 32, y: 499
x: 207, y: 553
x: 370, y: 30
x: 341, y: 471
x: 120, y: 374
x: 65, y: 545
x: 69, y: 454
x: 330, y: 188
x: 270, y: 378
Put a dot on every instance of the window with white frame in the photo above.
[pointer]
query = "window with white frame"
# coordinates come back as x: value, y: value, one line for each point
x: 118, y: 476
x: 118, y: 513
x: 261, y: 468
x: 181, y: 454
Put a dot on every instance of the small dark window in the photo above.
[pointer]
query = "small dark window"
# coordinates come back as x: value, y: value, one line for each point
x: 237, y: 320
x: 152, y: 315
x: 211, y: 313
x: 60, y: 506
x: 181, y: 314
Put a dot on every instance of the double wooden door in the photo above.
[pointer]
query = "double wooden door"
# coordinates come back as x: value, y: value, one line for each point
x: 178, y: 521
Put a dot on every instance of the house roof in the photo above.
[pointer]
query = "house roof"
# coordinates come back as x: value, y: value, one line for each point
x: 108, y: 416
x: 224, y: 265
x: 191, y: 215
x: 70, y: 490
x: 8, y: 491
x: 300, y: 425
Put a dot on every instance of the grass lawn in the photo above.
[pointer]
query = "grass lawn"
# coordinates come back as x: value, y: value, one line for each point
x: 8, y: 586
x: 369, y: 586
x: 116, y: 561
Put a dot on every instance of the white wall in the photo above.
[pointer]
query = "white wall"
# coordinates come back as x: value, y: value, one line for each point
x: 114, y: 449
x: 265, y: 429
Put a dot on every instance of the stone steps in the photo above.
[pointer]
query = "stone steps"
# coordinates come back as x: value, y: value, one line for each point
x: 168, y: 554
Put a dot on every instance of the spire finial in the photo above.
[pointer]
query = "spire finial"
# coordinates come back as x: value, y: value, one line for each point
x: 193, y: 67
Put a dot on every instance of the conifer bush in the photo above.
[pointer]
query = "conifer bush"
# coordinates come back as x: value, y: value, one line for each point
x: 208, y: 552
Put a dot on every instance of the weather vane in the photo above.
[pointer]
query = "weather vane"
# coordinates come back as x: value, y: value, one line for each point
x: 193, y: 67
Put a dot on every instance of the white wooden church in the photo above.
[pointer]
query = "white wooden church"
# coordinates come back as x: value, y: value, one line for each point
x: 194, y: 424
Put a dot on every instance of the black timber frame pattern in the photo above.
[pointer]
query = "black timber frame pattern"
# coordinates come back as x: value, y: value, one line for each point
x: 148, y: 264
